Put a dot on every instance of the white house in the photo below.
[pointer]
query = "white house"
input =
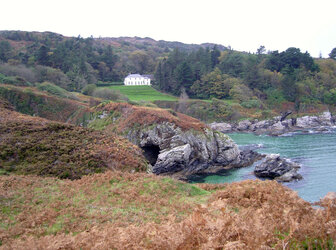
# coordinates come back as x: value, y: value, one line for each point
x: 137, y: 79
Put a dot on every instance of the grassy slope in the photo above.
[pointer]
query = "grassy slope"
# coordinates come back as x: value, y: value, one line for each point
x: 200, y: 109
x: 143, y: 93
x: 128, y: 211
x: 31, y: 145
x: 43, y: 206
x: 31, y: 101
x: 208, y: 110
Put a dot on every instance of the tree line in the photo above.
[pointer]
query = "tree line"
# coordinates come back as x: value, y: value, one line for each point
x: 201, y: 71
x: 253, y: 79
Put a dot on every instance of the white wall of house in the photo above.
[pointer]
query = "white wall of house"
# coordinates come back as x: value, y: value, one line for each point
x: 136, y: 79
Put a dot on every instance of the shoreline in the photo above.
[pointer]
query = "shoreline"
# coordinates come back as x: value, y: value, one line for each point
x: 278, y: 126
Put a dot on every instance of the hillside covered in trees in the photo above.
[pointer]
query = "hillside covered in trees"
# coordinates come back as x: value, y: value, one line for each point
x: 73, y: 62
x: 255, y: 80
x: 261, y: 80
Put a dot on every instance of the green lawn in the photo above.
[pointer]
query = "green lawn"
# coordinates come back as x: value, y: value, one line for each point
x: 143, y: 93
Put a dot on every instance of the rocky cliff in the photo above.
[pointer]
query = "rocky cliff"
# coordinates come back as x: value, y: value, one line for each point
x: 173, y: 143
x: 173, y: 150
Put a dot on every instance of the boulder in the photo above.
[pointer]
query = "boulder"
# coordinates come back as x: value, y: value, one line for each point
x: 276, y: 129
x: 244, y: 125
x: 333, y: 119
x: 248, y: 157
x: 289, y: 176
x: 261, y: 127
x: 308, y: 122
x: 325, y: 119
x: 172, y: 160
x: 222, y: 127
x: 274, y: 167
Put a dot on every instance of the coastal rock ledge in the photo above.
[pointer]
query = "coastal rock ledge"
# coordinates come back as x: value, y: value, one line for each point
x: 280, y: 169
x: 172, y: 151
x: 279, y: 125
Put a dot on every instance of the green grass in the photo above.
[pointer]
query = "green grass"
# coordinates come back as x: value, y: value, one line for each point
x: 143, y: 93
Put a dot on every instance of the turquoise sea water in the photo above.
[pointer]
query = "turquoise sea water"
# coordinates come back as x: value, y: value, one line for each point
x: 316, y: 152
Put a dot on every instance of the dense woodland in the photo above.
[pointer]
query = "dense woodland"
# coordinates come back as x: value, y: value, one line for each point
x: 252, y: 79
x: 207, y: 71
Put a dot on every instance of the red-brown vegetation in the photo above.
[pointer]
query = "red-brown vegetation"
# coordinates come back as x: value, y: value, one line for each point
x: 244, y: 215
x: 36, y: 206
x: 31, y: 101
x: 32, y: 145
x: 136, y: 115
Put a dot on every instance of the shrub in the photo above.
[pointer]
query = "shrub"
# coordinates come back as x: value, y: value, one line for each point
x: 109, y: 94
x: 89, y: 89
x: 56, y: 76
x: 55, y: 90
x: 254, y: 103
x: 330, y: 97
x: 241, y: 93
x: 275, y: 96
x: 18, y: 71
x: 14, y: 80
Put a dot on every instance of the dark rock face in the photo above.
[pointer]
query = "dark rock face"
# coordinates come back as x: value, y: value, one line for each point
x: 274, y: 167
x: 248, y: 157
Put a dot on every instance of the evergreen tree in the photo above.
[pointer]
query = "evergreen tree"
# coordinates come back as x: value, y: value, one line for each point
x: 43, y: 56
x: 5, y: 51
x: 214, y: 54
x: 184, y: 77
x: 332, y: 54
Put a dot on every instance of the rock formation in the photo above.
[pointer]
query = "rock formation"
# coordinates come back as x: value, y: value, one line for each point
x: 187, y: 152
x: 274, y: 167
x: 279, y: 125
x: 173, y: 143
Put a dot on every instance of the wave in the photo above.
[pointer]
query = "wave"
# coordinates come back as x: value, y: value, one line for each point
x: 252, y: 146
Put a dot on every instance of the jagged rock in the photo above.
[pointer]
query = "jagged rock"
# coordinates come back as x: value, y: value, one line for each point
x: 279, y: 125
x: 276, y: 129
x: 289, y: 176
x: 333, y: 119
x: 188, y: 152
x: 261, y: 127
x: 244, y: 125
x: 325, y: 119
x: 274, y: 167
x: 222, y: 127
x: 248, y: 157
x: 307, y: 122
x: 172, y: 160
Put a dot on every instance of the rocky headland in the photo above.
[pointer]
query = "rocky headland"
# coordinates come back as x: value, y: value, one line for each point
x: 279, y: 125
x: 174, y: 144
x: 272, y: 166
x: 180, y: 146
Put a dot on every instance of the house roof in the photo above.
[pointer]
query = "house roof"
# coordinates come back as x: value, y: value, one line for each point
x: 148, y: 76
x: 133, y: 75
